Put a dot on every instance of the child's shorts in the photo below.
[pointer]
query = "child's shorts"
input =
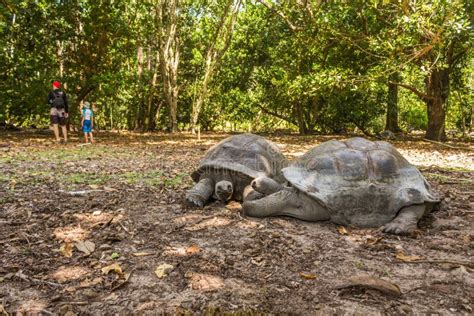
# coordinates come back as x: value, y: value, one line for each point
x: 87, y: 126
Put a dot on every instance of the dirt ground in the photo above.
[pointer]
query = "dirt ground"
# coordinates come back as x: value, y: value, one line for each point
x: 103, y: 229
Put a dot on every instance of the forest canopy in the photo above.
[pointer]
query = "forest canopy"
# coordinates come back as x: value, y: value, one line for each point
x: 310, y: 66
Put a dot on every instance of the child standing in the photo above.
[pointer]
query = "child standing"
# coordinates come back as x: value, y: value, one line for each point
x: 87, y: 121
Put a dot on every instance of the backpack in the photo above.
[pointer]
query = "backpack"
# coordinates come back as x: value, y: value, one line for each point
x: 58, y: 101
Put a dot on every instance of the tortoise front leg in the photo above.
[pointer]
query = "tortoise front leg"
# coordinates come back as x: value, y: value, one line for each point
x: 200, y: 193
x: 406, y: 221
x: 250, y: 194
x: 266, y: 185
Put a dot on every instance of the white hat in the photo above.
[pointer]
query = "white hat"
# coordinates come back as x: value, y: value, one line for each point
x: 87, y: 104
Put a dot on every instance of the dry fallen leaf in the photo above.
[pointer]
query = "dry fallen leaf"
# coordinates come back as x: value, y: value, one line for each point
x: 186, y: 219
x: 89, y: 283
x: 365, y: 281
x: 194, y: 249
x: 371, y: 240
x: 342, y: 230
x: 205, y: 282
x: 163, y: 269
x: 249, y: 224
x: 66, y: 249
x: 86, y: 247
x: 64, y: 274
x: 143, y: 254
x: 309, y: 276
x: 3, y: 311
x: 123, y: 280
x: 115, y: 267
x: 32, y: 306
x: 174, y: 251
x: 213, y: 222
x: 403, y: 257
x: 258, y: 261
x: 70, y: 234
x: 234, y: 206
x: 109, y: 189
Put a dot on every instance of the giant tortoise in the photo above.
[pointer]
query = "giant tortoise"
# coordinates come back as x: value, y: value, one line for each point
x: 231, y: 165
x: 354, y: 182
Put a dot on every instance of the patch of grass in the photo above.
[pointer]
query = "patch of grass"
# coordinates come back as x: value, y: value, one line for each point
x: 131, y: 177
x: 386, y: 273
x: 445, y: 169
x: 4, y: 177
x: 7, y: 197
x: 445, y: 179
x: 6, y: 160
x: 360, y: 265
x: 175, y: 181
x: 85, y: 178
x: 152, y: 178
x: 70, y: 154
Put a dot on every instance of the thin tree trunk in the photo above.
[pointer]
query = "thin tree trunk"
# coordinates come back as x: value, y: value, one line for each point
x: 314, y: 112
x: 197, y: 105
x: 139, y: 107
x: 149, y: 120
x: 437, y: 86
x: 60, y: 58
x: 303, y: 130
x: 169, y: 57
x: 213, y: 58
x: 139, y: 62
x: 391, y: 123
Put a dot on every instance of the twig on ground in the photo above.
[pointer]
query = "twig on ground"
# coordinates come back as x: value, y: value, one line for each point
x: 13, y: 223
x: 128, y: 275
x: 24, y: 277
x: 104, y: 224
x: 461, y: 263
x: 126, y: 229
x: 446, y: 145
x: 9, y: 240
x: 3, y: 311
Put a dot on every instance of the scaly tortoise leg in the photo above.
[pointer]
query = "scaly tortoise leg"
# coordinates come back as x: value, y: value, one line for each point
x: 406, y: 221
x: 200, y: 193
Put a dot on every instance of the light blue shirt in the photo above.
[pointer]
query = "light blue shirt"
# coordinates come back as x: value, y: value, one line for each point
x: 87, y: 114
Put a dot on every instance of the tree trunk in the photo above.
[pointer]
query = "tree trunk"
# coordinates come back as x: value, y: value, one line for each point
x: 303, y: 130
x: 169, y: 57
x: 391, y: 123
x: 60, y: 58
x: 139, y: 62
x: 197, y: 105
x: 314, y: 113
x: 214, y: 56
x: 437, y: 87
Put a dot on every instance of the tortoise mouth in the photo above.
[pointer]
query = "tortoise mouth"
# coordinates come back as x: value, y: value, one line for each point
x: 223, y: 196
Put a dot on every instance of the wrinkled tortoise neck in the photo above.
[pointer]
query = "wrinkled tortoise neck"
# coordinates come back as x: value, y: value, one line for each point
x: 271, y: 205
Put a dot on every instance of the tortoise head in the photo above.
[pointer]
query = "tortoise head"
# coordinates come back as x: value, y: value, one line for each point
x: 224, y: 190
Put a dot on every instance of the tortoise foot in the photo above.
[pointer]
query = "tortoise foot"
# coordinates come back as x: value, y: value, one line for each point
x: 397, y: 228
x: 194, y: 200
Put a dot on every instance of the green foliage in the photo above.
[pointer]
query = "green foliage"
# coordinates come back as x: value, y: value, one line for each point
x: 319, y: 67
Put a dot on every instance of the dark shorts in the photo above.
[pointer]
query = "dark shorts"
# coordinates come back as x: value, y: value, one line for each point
x: 58, y: 116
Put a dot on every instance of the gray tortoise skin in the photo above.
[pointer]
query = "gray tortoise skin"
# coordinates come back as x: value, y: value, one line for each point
x: 230, y: 166
x: 355, y: 182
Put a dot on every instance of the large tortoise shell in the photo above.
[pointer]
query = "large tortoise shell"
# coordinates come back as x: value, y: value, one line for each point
x: 362, y: 183
x: 247, y: 154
